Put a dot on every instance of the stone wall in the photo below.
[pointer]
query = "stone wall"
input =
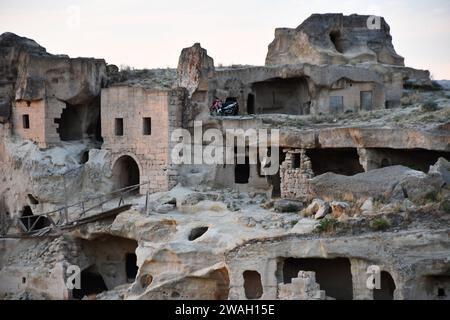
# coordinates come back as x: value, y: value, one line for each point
x: 294, y: 180
x: 151, y: 152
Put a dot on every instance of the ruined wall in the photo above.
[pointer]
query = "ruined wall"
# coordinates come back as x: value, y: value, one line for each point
x: 150, y: 151
x: 350, y: 93
x: 35, y: 111
x: 295, y: 172
x: 266, y: 258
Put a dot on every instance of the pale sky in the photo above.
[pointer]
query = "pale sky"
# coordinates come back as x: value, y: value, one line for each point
x: 151, y: 34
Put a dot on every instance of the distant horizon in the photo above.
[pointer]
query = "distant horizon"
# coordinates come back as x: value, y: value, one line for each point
x: 150, y: 35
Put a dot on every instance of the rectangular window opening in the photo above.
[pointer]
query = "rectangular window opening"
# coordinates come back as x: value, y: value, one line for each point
x: 26, y: 121
x: 147, y: 126
x: 119, y: 127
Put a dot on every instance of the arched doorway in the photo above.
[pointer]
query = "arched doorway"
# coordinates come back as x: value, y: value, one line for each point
x: 387, y: 288
x: 92, y: 283
x: 126, y: 173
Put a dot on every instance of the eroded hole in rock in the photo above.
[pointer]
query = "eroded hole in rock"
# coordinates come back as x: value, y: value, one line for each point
x: 31, y: 222
x: 126, y: 173
x: 32, y: 199
x: 146, y: 280
x: 252, y: 285
x: 114, y: 259
x: 437, y: 287
x: 417, y: 159
x: 336, y: 39
x: 387, y: 288
x: 333, y: 275
x: 340, y: 161
x: 92, y: 283
x: 131, y: 267
x: 84, y: 157
x: 283, y: 96
x: 71, y: 123
x: 197, y: 233
x: 80, y: 121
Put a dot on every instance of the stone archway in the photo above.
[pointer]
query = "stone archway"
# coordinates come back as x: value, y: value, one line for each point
x: 126, y: 173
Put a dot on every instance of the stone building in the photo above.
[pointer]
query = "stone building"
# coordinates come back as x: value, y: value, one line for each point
x: 49, y: 98
x: 136, y: 127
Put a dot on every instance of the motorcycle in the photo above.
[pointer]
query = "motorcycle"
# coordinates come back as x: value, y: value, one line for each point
x: 225, y: 109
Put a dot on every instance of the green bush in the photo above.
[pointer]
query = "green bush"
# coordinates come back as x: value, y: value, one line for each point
x: 380, y: 224
x: 327, y: 225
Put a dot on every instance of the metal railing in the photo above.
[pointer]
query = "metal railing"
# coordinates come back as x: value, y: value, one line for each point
x: 42, y: 223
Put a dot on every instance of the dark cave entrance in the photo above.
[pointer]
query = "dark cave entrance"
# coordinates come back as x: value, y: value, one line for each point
x: 71, y: 123
x: 31, y: 222
x: 242, y: 172
x: 343, y: 161
x: 92, y: 283
x: 282, y: 96
x: 333, y: 275
x: 437, y: 287
x: 197, y: 233
x: 252, y: 285
x: 251, y: 103
x: 80, y: 121
x: 109, y: 262
x: 336, y: 40
x: 417, y: 159
x: 126, y: 173
x: 387, y: 288
x: 131, y: 267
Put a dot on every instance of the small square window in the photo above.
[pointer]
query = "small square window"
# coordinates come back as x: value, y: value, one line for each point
x: 119, y: 127
x: 26, y: 121
x: 147, y: 126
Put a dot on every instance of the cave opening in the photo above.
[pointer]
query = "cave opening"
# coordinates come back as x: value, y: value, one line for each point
x: 131, y: 267
x: 71, y: 123
x: 92, y: 283
x: 437, y: 287
x: 251, y: 103
x: 333, y: 275
x: 336, y: 40
x: 197, y: 233
x: 417, y: 159
x: 80, y: 121
x: 387, y: 287
x: 242, y: 172
x: 282, y: 96
x: 252, y: 285
x: 343, y: 161
x: 126, y: 174
x: 84, y: 157
x: 31, y: 222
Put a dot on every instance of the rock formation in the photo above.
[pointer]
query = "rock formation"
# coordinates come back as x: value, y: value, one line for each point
x: 195, y: 68
x: 90, y: 181
x: 334, y: 39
